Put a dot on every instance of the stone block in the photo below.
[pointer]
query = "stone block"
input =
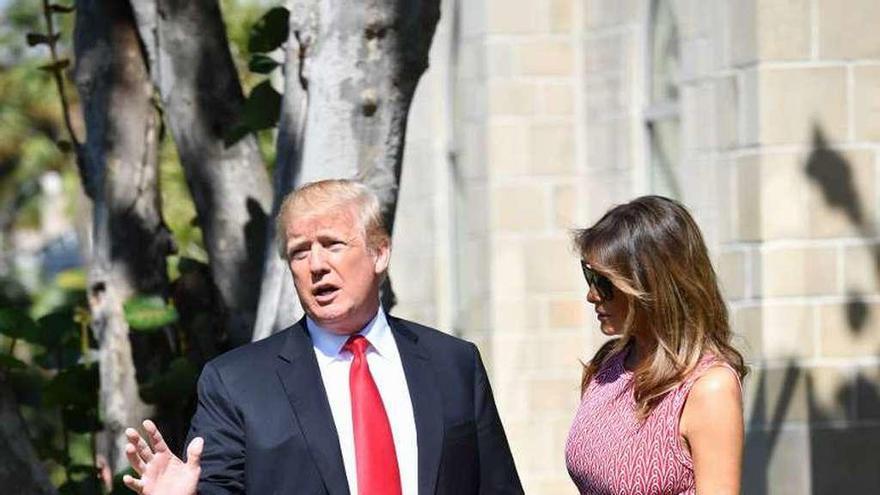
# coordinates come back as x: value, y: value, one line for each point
x: 777, y: 30
x: 732, y: 273
x: 848, y: 29
x: 771, y: 197
x: 515, y: 17
x: 552, y: 148
x: 519, y: 208
x: 509, y: 147
x: 602, y: 13
x: 551, y: 266
x: 726, y: 112
x: 807, y: 271
x: 850, y: 329
x: 861, y: 268
x: 498, y: 58
x: 845, y: 457
x: 564, y: 206
x: 777, y: 462
x: 567, y: 313
x: 508, y: 274
x: 544, y: 58
x: 743, y: 19
x: 867, y: 391
x: 558, y: 353
x: 792, y: 394
x: 748, y: 332
x: 511, y: 97
x: 867, y: 102
x: 609, y: 144
x: 555, y: 99
x: 561, y: 14
x: 795, y: 103
x: 787, y: 331
x: 842, y: 192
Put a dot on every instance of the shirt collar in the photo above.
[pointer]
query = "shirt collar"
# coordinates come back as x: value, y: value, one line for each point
x: 329, y: 344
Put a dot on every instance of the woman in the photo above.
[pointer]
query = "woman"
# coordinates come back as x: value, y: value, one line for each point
x: 661, y: 407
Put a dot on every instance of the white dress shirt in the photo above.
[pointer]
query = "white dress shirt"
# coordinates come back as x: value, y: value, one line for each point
x: 387, y: 370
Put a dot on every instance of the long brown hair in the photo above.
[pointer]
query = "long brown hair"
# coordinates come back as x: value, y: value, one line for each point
x: 653, y: 252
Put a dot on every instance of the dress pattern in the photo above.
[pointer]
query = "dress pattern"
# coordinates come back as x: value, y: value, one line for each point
x: 610, y: 452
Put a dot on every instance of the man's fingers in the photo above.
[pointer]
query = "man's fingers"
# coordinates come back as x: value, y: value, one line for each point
x: 137, y: 441
x: 194, y: 451
x: 155, y: 437
x: 133, y: 484
x: 134, y: 459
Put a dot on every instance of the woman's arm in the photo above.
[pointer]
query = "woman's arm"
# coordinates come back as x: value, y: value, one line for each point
x: 712, y: 425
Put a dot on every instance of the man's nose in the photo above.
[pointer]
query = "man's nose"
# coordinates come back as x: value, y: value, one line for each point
x: 317, y: 259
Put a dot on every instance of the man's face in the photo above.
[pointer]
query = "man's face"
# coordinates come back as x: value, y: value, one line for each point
x: 336, y: 275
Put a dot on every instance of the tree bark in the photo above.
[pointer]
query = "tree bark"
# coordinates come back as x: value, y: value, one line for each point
x: 129, y: 240
x: 351, y: 73
x: 21, y: 472
x: 201, y: 95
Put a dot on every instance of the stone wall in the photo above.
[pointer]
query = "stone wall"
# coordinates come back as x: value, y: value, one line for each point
x: 531, y: 121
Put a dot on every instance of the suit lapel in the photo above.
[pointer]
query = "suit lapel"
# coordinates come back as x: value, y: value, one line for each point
x: 426, y: 401
x: 298, y: 370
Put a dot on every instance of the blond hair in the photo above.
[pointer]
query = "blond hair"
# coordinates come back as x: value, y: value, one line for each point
x: 652, y: 250
x: 323, y: 196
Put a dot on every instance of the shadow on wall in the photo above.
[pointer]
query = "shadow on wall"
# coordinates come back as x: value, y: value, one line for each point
x: 835, y: 428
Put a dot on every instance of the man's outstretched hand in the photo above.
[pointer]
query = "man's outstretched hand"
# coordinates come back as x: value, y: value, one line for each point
x: 161, y: 472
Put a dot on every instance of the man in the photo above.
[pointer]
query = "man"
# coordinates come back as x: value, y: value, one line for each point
x: 347, y: 401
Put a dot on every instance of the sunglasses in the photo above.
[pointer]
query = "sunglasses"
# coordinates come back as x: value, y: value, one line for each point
x: 598, y: 281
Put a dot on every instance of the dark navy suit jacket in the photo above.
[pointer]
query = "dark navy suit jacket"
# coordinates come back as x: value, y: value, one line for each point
x: 268, y: 429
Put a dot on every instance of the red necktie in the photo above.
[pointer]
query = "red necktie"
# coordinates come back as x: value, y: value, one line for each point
x: 377, y: 471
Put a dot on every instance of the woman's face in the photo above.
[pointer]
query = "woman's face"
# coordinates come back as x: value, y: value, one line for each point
x: 609, y: 302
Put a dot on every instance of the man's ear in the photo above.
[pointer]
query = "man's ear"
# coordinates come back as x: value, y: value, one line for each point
x: 382, y: 254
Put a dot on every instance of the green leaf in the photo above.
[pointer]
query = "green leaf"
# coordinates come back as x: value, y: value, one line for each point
x: 149, y: 313
x: 79, y: 420
x: 58, y: 328
x: 262, y: 108
x: 61, y: 9
x: 64, y: 146
x: 76, y: 387
x: 262, y: 64
x: 174, y: 386
x: 17, y: 324
x: 56, y: 66
x: 54, y: 360
x: 189, y: 265
x: 34, y: 39
x: 270, y: 31
x: 8, y: 362
x: 235, y: 134
x: 28, y: 386
x: 73, y: 279
x: 260, y: 111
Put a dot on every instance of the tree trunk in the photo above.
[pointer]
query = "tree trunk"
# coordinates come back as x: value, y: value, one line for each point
x: 129, y: 240
x: 21, y: 472
x: 352, y: 68
x: 196, y: 78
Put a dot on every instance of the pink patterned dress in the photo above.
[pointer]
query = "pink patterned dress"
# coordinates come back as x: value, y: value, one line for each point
x: 610, y: 452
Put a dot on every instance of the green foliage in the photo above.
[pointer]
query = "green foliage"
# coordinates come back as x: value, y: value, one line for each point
x: 149, y: 313
x: 270, y: 31
x: 16, y: 324
x: 174, y: 386
x: 45, y: 348
x: 261, y: 111
x: 262, y: 64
